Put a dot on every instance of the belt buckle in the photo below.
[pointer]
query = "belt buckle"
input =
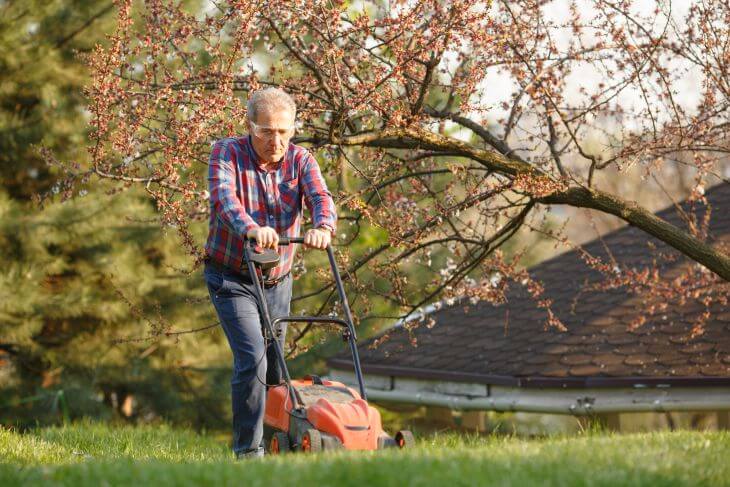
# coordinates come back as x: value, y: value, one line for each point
x: 271, y: 283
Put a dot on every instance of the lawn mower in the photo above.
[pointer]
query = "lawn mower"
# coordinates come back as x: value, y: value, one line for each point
x: 314, y: 414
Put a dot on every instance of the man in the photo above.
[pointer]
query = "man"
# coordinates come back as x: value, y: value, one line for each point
x: 257, y: 183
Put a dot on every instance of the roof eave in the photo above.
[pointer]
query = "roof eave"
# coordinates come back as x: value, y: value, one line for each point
x: 545, y: 400
x: 536, y: 381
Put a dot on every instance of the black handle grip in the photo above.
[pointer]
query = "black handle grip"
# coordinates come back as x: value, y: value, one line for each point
x: 282, y: 240
x: 290, y: 240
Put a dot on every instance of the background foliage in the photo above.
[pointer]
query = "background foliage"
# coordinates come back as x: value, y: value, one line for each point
x: 102, y: 309
x: 81, y: 279
x: 97, y: 295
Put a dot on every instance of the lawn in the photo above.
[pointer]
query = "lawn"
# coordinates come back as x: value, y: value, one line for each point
x: 96, y: 454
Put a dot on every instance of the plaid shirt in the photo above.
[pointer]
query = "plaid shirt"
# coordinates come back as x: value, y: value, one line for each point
x: 243, y: 196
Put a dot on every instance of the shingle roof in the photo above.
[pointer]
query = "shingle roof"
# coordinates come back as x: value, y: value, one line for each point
x: 508, y: 344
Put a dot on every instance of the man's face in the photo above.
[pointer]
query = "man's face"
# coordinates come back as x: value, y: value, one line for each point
x: 271, y: 133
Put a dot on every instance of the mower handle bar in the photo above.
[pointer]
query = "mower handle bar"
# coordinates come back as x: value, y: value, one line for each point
x: 290, y: 240
x: 347, y: 323
x: 282, y: 240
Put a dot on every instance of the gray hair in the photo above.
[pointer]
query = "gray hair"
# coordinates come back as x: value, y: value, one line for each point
x: 271, y: 98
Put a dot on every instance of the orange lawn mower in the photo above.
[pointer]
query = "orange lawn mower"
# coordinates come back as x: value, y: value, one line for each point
x: 314, y: 414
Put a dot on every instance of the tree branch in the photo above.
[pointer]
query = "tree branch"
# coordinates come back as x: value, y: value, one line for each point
x: 704, y: 253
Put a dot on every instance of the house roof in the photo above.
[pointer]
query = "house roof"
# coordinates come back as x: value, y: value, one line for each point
x: 508, y: 345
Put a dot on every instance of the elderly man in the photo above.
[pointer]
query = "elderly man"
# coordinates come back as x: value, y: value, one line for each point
x: 257, y: 183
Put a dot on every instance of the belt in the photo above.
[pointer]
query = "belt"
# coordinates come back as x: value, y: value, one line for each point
x: 242, y: 273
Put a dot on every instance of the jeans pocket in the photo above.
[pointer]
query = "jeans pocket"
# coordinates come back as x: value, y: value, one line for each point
x: 215, y: 280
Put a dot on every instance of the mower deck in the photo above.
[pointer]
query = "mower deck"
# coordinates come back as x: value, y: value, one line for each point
x: 332, y: 416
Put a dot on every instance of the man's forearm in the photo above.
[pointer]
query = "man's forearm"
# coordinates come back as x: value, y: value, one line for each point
x: 319, y: 199
x: 322, y: 208
x: 222, y: 187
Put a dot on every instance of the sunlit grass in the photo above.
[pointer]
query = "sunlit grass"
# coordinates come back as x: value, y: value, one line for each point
x: 93, y: 454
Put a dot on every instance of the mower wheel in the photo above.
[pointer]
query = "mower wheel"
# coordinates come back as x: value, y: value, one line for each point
x: 312, y: 441
x: 330, y: 443
x: 279, y: 443
x: 404, y: 439
x: 386, y: 442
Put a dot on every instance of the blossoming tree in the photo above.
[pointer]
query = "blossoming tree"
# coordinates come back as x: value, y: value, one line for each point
x: 458, y: 123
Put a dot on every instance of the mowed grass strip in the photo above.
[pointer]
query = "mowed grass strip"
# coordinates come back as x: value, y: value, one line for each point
x: 94, y: 454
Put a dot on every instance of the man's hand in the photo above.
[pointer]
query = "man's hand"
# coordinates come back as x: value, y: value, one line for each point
x: 317, y: 238
x: 266, y: 237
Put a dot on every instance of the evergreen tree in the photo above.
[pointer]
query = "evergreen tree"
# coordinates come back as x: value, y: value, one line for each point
x: 41, y: 94
x: 91, y: 305
x: 79, y: 277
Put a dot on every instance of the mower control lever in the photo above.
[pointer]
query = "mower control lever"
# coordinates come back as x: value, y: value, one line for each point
x: 318, y: 319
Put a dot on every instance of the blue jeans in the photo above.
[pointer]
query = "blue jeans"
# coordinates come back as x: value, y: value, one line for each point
x: 254, y: 363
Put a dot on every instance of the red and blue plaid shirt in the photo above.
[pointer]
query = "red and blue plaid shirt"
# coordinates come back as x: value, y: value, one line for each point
x: 243, y: 196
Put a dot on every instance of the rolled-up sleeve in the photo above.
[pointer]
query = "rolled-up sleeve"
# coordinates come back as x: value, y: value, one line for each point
x: 222, y: 186
x: 317, y: 196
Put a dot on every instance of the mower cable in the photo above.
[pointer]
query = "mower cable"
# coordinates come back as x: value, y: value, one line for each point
x: 281, y: 383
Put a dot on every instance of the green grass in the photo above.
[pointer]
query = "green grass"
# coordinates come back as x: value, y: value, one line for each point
x: 96, y: 454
